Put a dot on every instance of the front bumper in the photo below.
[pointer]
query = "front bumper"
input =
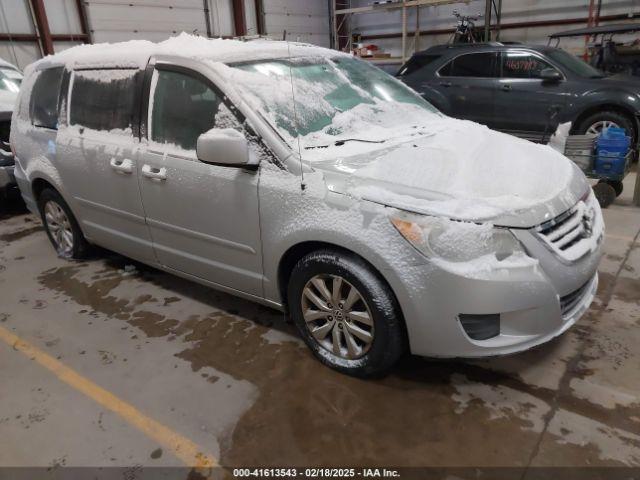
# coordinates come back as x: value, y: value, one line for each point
x: 535, y: 303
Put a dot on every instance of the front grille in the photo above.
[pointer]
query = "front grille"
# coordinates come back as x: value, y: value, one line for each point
x: 569, y: 302
x: 574, y: 233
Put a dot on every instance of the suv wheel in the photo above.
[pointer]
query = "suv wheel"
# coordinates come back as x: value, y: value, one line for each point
x: 61, y: 226
x: 346, y: 314
x: 594, y: 124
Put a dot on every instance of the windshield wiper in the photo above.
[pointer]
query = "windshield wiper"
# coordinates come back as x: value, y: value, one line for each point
x: 339, y: 143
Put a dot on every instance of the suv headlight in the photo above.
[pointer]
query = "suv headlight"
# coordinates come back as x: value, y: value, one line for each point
x: 455, y: 241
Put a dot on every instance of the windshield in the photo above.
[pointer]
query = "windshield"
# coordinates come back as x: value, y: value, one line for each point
x: 574, y: 64
x: 335, y: 100
x: 10, y: 79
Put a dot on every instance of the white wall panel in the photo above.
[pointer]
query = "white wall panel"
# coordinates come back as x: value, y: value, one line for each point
x: 306, y: 21
x: 62, y: 16
x: 222, y: 14
x: 15, y: 17
x: 20, y: 54
x: 112, y: 20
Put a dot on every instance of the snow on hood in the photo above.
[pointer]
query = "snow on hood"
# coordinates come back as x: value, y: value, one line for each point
x: 465, y: 171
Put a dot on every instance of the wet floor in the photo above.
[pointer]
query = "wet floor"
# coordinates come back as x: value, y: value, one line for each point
x: 234, y: 378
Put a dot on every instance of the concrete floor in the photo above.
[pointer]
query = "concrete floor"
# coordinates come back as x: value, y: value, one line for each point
x: 232, y: 378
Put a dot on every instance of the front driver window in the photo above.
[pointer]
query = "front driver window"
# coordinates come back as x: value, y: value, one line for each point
x: 185, y: 107
x: 522, y: 65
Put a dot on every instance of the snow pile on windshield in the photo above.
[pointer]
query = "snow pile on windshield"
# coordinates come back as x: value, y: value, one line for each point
x: 464, y: 171
x: 320, y: 101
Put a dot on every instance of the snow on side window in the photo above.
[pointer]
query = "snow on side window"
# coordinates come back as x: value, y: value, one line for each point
x: 184, y: 108
x: 43, y: 104
x: 104, y: 100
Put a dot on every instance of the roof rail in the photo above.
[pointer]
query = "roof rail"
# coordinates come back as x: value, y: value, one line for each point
x: 479, y: 44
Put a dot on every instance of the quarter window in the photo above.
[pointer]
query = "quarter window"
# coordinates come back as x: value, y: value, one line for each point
x: 480, y: 65
x: 43, y: 105
x: 522, y: 65
x: 184, y: 108
x: 104, y: 99
x: 415, y: 63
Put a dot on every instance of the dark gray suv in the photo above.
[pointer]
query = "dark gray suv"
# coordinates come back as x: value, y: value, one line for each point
x: 523, y: 90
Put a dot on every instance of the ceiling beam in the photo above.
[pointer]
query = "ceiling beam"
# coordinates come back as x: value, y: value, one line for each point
x: 46, y: 42
x: 239, y: 19
x: 84, y: 20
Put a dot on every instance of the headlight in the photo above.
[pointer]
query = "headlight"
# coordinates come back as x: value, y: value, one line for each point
x: 455, y: 241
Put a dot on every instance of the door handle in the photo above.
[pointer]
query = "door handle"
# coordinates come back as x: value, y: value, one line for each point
x: 154, y: 173
x: 507, y: 88
x: 121, y: 165
x: 446, y: 84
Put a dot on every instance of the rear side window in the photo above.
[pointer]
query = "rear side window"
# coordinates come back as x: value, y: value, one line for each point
x: 416, y: 63
x: 104, y: 99
x: 43, y: 105
x: 481, y: 65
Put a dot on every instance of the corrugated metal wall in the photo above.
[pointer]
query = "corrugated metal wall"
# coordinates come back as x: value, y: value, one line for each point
x: 118, y: 20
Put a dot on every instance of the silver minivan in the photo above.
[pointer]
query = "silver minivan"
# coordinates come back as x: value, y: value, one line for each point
x: 310, y: 181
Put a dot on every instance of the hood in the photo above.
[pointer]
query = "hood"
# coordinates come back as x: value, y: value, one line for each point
x: 464, y: 171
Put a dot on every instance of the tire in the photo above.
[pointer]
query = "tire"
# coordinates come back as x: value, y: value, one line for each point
x: 588, y: 125
x: 375, y: 312
x: 61, y: 226
x: 617, y: 185
x: 605, y: 194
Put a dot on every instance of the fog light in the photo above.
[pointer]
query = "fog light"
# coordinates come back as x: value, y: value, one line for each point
x: 481, y: 327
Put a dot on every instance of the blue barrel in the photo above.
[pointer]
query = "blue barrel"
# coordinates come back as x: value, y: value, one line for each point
x: 612, y: 148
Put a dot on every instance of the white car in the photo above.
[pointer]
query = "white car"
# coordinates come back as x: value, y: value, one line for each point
x: 310, y: 181
x: 10, y: 79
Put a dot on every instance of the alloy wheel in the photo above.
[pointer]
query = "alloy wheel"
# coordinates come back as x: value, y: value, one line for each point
x: 337, y: 316
x: 598, y: 127
x: 59, y: 226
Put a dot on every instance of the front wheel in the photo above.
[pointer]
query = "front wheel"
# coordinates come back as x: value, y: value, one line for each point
x: 346, y: 314
x: 61, y: 226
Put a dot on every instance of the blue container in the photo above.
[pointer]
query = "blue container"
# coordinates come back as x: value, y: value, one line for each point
x: 612, y: 148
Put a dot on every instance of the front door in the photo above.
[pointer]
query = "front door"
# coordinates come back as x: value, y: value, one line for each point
x: 97, y: 155
x: 468, y: 83
x: 528, y: 105
x: 203, y: 218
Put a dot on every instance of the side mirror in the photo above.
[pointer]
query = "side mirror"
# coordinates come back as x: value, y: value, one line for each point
x: 224, y: 146
x: 550, y: 75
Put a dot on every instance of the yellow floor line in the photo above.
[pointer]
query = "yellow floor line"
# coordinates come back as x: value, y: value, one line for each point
x: 181, y: 447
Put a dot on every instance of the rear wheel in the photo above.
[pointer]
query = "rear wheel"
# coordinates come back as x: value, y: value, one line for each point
x: 597, y: 122
x: 61, y: 226
x: 346, y: 314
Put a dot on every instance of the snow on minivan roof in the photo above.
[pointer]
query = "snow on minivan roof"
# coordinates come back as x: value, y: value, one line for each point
x: 136, y: 53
